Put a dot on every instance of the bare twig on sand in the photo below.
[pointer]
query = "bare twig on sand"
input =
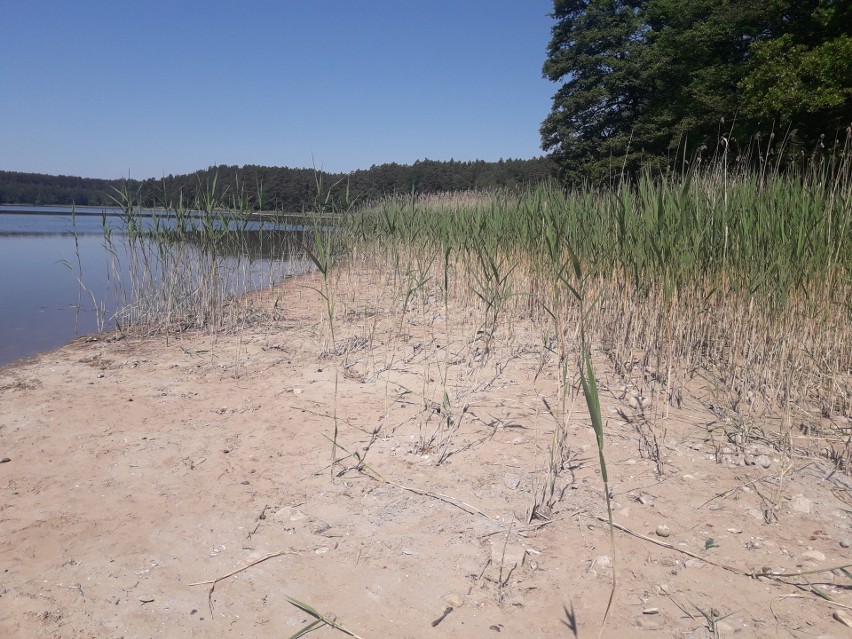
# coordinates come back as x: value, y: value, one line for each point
x: 213, y: 582
x: 780, y: 577
x: 363, y: 467
x: 320, y: 619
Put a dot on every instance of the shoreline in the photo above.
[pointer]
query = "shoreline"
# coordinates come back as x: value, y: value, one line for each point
x: 139, y: 467
x: 114, y: 211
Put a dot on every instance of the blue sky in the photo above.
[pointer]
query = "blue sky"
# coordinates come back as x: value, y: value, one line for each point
x: 145, y: 89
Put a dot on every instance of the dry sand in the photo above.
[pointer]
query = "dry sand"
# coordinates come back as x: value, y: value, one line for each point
x: 137, y: 468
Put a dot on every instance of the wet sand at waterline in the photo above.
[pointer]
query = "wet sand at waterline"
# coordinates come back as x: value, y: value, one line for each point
x: 138, y: 471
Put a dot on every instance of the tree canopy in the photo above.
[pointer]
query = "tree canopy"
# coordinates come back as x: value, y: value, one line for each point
x: 641, y: 79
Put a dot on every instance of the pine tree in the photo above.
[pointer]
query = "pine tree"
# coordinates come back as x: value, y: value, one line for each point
x: 644, y: 81
x: 597, y: 51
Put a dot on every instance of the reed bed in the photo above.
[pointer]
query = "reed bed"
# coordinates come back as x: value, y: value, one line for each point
x: 187, y: 267
x: 737, y: 280
x: 732, y: 279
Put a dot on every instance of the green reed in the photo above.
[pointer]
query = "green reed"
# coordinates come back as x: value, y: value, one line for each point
x: 188, y: 261
x: 747, y: 275
x: 743, y: 278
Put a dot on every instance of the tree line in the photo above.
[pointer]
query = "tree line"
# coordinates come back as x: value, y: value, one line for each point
x: 654, y: 82
x: 253, y: 187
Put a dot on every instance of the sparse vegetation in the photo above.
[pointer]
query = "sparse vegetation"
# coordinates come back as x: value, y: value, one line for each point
x: 728, y: 281
x: 724, y: 277
x: 187, y: 267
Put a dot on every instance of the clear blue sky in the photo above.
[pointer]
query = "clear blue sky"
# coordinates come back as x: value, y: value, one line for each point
x: 116, y: 88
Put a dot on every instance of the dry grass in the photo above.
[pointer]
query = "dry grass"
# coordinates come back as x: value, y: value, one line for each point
x: 734, y: 283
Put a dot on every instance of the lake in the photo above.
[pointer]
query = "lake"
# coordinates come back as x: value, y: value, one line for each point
x: 64, y: 275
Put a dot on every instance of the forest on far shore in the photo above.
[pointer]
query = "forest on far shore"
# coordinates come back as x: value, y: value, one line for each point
x: 272, y: 188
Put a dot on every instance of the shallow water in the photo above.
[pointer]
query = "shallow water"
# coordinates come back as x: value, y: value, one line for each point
x: 61, y: 278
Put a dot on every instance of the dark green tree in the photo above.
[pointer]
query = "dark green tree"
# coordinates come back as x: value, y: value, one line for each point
x: 644, y: 81
x: 598, y: 53
x: 279, y: 188
x: 802, y: 74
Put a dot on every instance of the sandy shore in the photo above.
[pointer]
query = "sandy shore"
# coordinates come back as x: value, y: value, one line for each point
x: 139, y: 468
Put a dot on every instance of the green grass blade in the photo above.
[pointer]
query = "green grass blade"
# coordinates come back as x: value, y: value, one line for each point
x: 316, y: 625
x: 320, y: 618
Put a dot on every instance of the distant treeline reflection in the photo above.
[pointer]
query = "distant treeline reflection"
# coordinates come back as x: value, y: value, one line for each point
x: 254, y: 244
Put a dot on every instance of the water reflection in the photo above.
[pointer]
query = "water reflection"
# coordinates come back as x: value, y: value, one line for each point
x: 62, y: 276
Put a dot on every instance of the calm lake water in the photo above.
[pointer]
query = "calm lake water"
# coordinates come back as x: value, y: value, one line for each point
x: 60, y: 278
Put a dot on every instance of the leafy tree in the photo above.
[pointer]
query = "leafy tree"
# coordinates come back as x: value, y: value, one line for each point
x: 598, y: 53
x: 803, y: 73
x: 643, y: 79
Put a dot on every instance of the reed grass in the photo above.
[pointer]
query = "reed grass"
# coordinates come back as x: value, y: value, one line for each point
x: 740, y: 277
x: 186, y: 265
x: 722, y: 278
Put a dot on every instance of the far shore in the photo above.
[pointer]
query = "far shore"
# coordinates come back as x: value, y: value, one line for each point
x: 65, y: 209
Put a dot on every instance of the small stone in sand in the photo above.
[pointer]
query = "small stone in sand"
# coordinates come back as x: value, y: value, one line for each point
x: 801, y: 504
x: 320, y: 527
x: 763, y: 461
x: 512, y: 481
x: 813, y: 555
x: 454, y: 599
x: 843, y: 617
